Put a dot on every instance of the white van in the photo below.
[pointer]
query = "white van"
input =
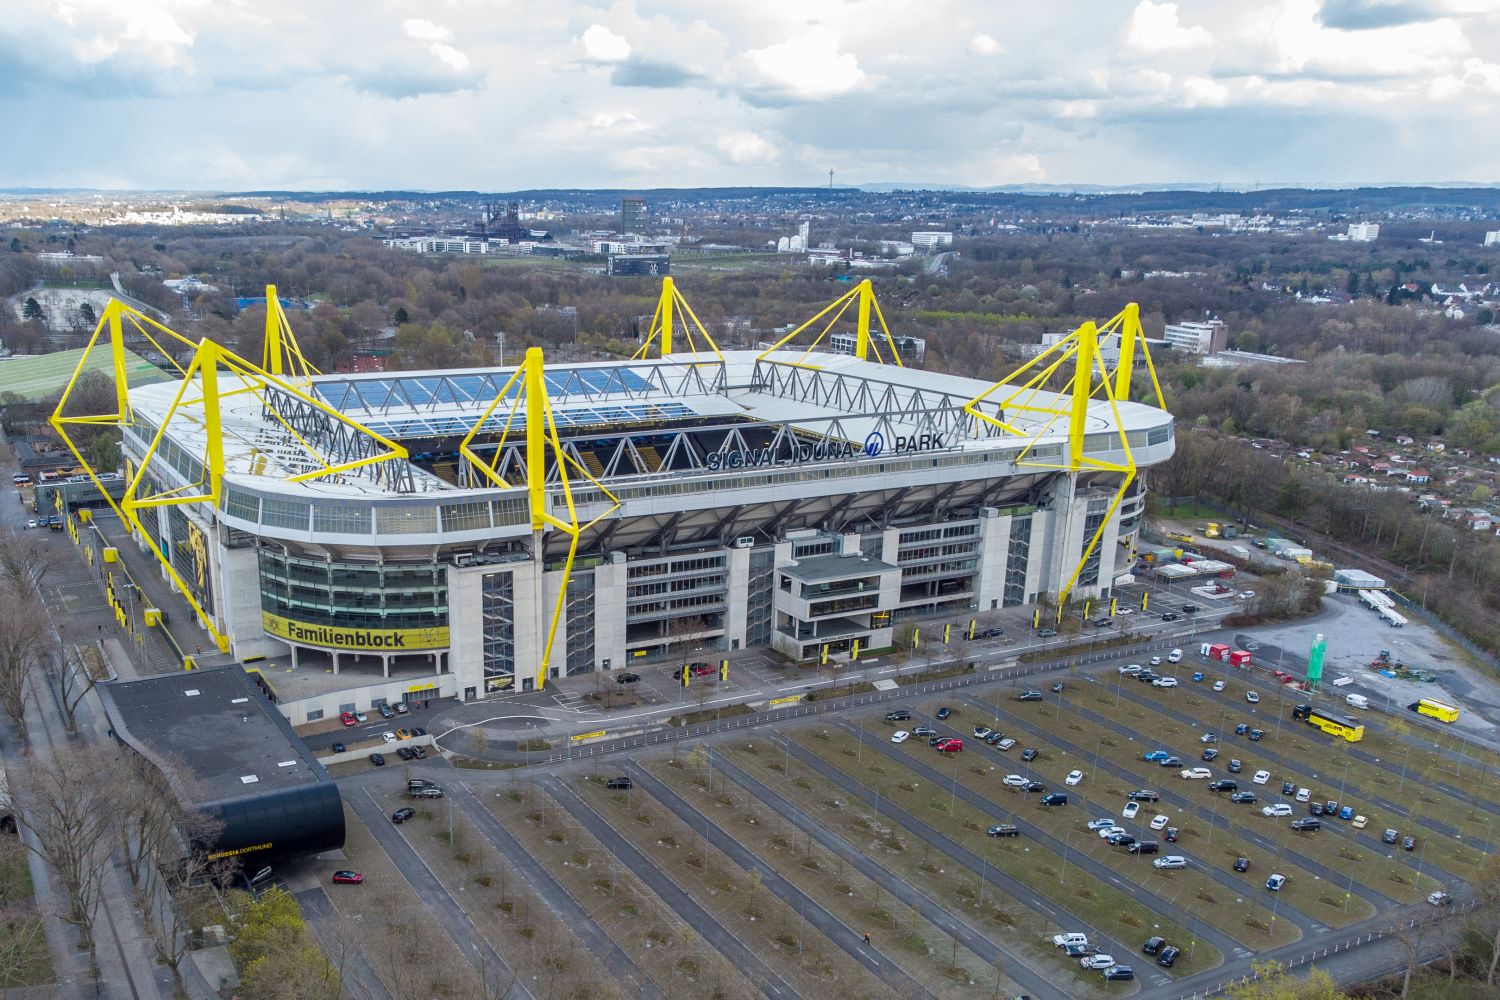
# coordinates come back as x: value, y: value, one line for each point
x: 1175, y: 656
x: 1358, y: 700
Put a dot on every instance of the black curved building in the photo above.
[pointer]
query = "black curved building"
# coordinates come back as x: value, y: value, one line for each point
x: 274, y: 798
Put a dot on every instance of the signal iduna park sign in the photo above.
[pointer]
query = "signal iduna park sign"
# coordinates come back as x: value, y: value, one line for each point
x: 823, y: 451
x: 375, y: 640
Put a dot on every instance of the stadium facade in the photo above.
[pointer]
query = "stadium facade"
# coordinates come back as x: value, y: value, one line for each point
x: 501, y: 527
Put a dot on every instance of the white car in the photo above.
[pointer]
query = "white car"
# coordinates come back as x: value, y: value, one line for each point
x: 1014, y: 780
x: 1252, y: 697
x: 1196, y: 772
x: 1100, y: 823
x: 1072, y: 937
x: 1156, y: 661
x: 388, y: 736
x: 361, y: 717
x: 1164, y: 682
x: 1131, y: 808
x: 1105, y: 832
x: 1360, y: 821
x: 1096, y: 961
x: 1275, y: 882
x: 1005, y: 744
x: 1160, y: 822
x: 1303, y: 794
x: 1171, y: 861
x: 1247, y: 595
x: 1131, y: 668
x: 1073, y: 778
x: 900, y: 736
x: 1123, y: 612
x: 1218, y: 685
x: 1276, y: 809
x: 1261, y: 777
x: 1175, y: 656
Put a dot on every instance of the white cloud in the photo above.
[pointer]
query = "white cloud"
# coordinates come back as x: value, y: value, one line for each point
x: 148, y: 29
x: 808, y: 66
x: 424, y: 30
x: 1300, y: 42
x: 1201, y: 91
x: 1154, y: 27
x: 984, y: 45
x: 604, y: 46
x: 747, y: 149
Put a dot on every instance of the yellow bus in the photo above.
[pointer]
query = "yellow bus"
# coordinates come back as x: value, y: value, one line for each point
x: 1351, y: 730
x: 1436, y: 709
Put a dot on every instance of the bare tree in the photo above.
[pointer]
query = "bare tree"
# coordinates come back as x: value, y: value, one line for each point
x: 22, y: 937
x: 25, y: 561
x: 68, y: 800
x: 72, y: 674
x: 23, y: 643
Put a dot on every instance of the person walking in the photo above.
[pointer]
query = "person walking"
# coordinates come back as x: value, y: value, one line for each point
x: 867, y: 937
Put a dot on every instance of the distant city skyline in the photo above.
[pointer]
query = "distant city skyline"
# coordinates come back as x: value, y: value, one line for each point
x: 492, y: 96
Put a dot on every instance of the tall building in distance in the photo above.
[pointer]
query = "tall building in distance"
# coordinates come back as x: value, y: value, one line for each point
x: 1364, y: 232
x: 1208, y: 337
x: 632, y: 215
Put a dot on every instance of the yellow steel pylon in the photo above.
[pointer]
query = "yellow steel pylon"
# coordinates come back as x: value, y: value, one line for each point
x: 671, y: 310
x: 862, y: 297
x: 541, y: 434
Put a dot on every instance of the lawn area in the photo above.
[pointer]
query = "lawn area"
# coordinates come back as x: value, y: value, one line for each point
x: 1120, y: 914
x: 921, y: 949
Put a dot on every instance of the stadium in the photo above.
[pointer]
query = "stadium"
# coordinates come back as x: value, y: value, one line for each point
x: 466, y: 533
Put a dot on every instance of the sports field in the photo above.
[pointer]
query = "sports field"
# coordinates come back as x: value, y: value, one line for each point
x: 45, y: 375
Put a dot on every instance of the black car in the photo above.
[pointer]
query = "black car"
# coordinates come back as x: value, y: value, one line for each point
x: 921, y: 731
x: 1389, y: 837
x: 1408, y: 843
x: 402, y: 815
x: 1004, y: 830
x: 899, y: 715
x: 1170, y: 762
x: 1315, y: 808
x: 1210, y: 754
x: 1102, y: 622
x: 337, y: 748
x: 1030, y: 753
x: 1307, y: 823
x: 1121, y: 839
x: 1045, y: 633
x: 1190, y: 609
x: 1331, y: 807
x: 1118, y: 972
x: 1054, y: 799
x: 933, y: 741
x: 1290, y: 788
x: 1143, y: 795
x: 405, y: 753
x: 1224, y: 785
x: 627, y: 678
x: 377, y: 759
x: 1243, y: 798
x: 1256, y: 735
x: 1235, y: 767
x: 419, y: 752
x: 1170, y: 616
x: 418, y: 731
x: 1154, y: 944
x: 1168, y: 956
x: 1147, y: 676
x: 990, y: 633
x: 1033, y: 786
x: 1029, y: 696
x: 1241, y: 864
x: 994, y: 737
x: 1172, y: 834
x: 944, y: 712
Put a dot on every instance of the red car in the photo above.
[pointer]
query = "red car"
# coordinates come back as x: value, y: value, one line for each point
x: 348, y: 719
x: 701, y: 669
x: 348, y: 878
x: 951, y: 746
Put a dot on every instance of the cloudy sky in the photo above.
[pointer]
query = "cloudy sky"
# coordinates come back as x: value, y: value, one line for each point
x: 501, y: 94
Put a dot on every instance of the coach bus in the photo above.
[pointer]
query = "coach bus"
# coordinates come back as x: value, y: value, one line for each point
x: 1436, y: 709
x: 1331, y: 723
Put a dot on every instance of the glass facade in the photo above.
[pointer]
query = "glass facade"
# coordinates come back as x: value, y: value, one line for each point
x: 354, y: 595
x: 1017, y: 556
x: 498, y: 609
x: 580, y: 624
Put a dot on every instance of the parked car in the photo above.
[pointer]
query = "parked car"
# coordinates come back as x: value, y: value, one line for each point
x: 1144, y: 847
x: 1408, y: 843
x: 924, y: 731
x: 1439, y: 898
x: 944, y: 712
x: 1261, y: 777
x: 1170, y: 616
x: 1105, y: 832
x: 1276, y: 809
x: 1073, y: 778
x: 1154, y: 944
x: 1170, y: 861
x: 1175, y: 656
x: 624, y: 783
x: 1119, y: 973
x: 1079, y: 950
x: 1131, y: 809
x: 994, y: 738
x: 1303, y: 794
x: 1170, y: 762
x: 1147, y: 676
x: 1224, y: 785
x: 1004, y: 830
x: 1033, y: 786
x: 1389, y: 837
x: 1252, y: 697
x: 1014, y: 780
x: 1243, y: 798
x: 1275, y: 882
x: 1055, y: 799
x: 1210, y: 754
x: 1360, y: 821
x: 1120, y: 838
x: 1159, y: 822
x: 346, y: 877
x: 1288, y: 788
x: 361, y: 717
x: 1171, y: 835
x: 628, y: 678
x: 1235, y: 766
x: 1144, y: 795
x: 1156, y: 661
x: 1307, y: 824
x: 1209, y: 738
x: 1256, y: 735
x: 1097, y: 961
x: 421, y: 752
x: 1006, y: 743
x: 899, y: 715
x: 402, y: 815
x: 1242, y: 729
x: 1164, y: 682
x: 1070, y: 937
x: 1102, y: 823
x: 900, y: 736
x: 1045, y: 633
x: 983, y: 732
x: 401, y: 708
x: 1057, y: 688
x: 1219, y: 685
x: 954, y: 745
x: 1168, y: 956
x: 1029, y: 696
x: 405, y: 753
x: 377, y: 759
x: 388, y: 736
x: 1155, y: 755
x: 1241, y: 864
x: 1196, y: 772
x: 1130, y: 670
x: 338, y: 748
x: 1346, y: 813
x: 347, y: 718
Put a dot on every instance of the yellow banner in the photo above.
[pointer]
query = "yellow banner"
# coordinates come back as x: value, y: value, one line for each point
x: 379, y: 640
x: 588, y: 736
x: 785, y: 701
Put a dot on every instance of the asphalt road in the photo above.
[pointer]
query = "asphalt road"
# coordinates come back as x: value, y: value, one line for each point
x: 707, y: 926
x: 433, y: 893
x: 991, y: 874
x: 319, y: 911
x: 809, y: 909
x: 976, y: 941
x: 589, y: 933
